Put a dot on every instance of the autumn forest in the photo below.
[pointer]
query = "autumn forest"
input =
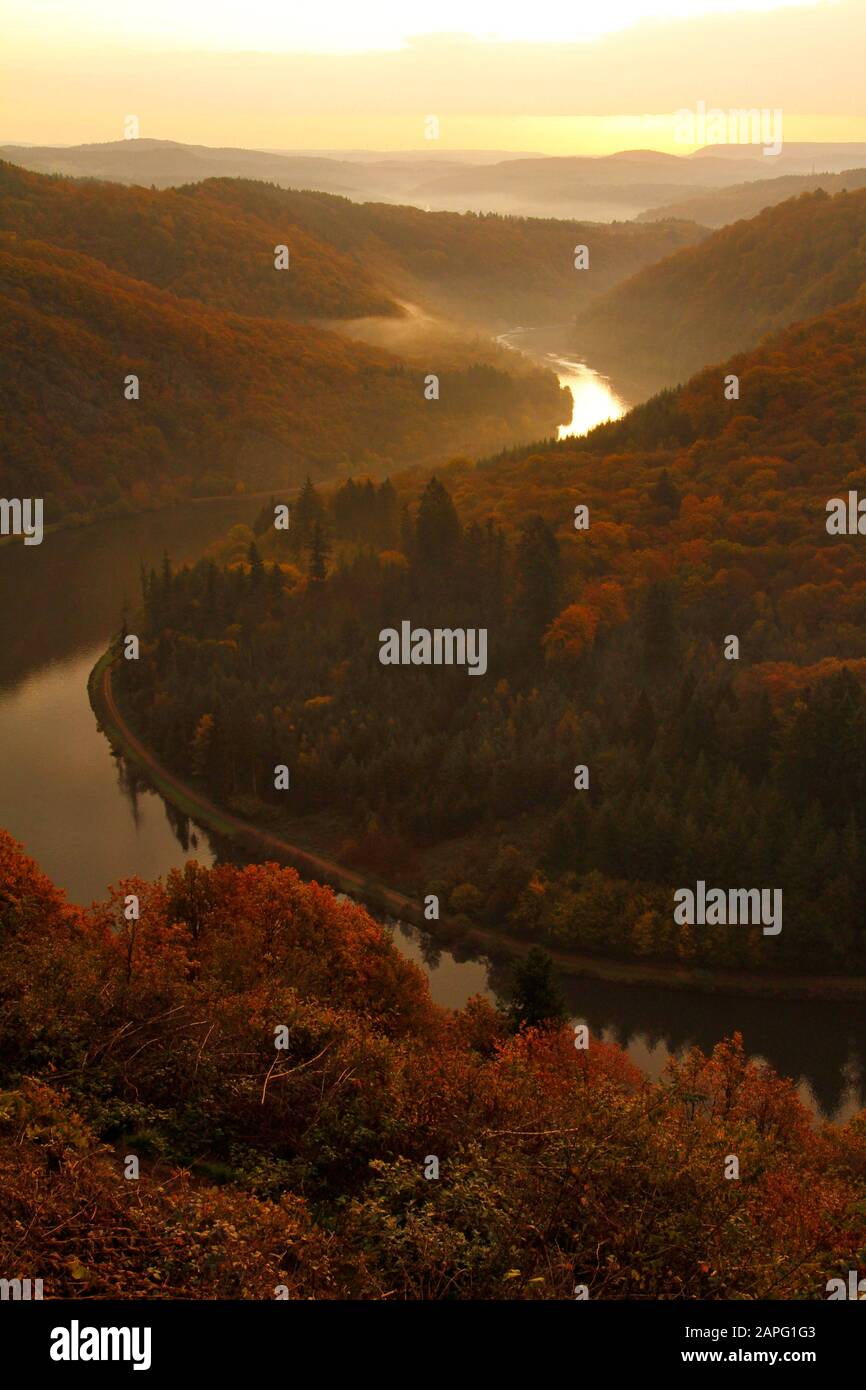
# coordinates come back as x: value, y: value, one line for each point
x: 433, y: 679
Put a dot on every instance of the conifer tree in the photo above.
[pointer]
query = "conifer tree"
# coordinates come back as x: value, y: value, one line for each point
x: 319, y: 553
x: 536, y: 999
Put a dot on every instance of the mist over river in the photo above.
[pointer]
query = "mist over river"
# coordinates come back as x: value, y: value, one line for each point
x: 89, y: 821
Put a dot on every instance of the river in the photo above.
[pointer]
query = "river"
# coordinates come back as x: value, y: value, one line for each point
x: 595, y: 399
x: 89, y: 821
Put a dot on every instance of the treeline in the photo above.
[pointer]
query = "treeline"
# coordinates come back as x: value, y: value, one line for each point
x: 606, y: 650
x: 282, y: 1080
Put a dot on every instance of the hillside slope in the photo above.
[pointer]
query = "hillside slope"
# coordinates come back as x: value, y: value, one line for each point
x: 743, y: 282
x: 606, y: 647
x: 742, y: 200
x: 203, y: 247
x: 490, y: 270
x: 224, y: 400
x: 306, y: 1169
x: 215, y: 240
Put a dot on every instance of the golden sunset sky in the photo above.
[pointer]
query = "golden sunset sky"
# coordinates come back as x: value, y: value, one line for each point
x: 547, y: 76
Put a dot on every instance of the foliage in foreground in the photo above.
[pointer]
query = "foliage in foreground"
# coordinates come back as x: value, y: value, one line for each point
x: 305, y: 1168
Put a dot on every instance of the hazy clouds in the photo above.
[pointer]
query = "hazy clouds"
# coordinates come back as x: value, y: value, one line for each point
x: 808, y: 61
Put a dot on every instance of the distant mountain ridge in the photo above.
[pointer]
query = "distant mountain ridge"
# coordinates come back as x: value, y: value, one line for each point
x: 604, y: 187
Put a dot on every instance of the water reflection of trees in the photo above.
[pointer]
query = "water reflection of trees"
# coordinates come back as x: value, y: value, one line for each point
x: 815, y: 1040
x: 429, y: 949
x: 131, y: 784
x: 181, y: 826
x: 135, y: 784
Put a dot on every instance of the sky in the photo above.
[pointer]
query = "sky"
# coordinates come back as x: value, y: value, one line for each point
x: 343, y: 25
x: 553, y: 76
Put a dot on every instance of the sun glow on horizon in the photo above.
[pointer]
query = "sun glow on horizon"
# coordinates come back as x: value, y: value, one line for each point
x: 262, y: 26
x: 549, y: 79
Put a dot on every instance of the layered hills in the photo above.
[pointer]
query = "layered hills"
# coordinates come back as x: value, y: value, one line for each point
x: 118, y: 394
x: 242, y: 381
x: 742, y: 200
x: 605, y: 188
x: 747, y: 280
x: 214, y: 240
x: 610, y: 574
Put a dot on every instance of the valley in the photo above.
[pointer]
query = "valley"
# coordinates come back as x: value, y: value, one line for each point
x: 432, y: 676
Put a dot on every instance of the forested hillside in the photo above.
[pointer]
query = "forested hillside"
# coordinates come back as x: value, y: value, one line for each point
x: 224, y: 401
x: 792, y: 261
x: 285, y: 1084
x: 498, y: 271
x: 707, y: 518
x: 101, y: 282
x: 206, y: 248
x: 214, y: 241
x: 720, y: 206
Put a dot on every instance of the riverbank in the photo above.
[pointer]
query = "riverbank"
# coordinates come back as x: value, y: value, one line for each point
x: 383, y: 900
